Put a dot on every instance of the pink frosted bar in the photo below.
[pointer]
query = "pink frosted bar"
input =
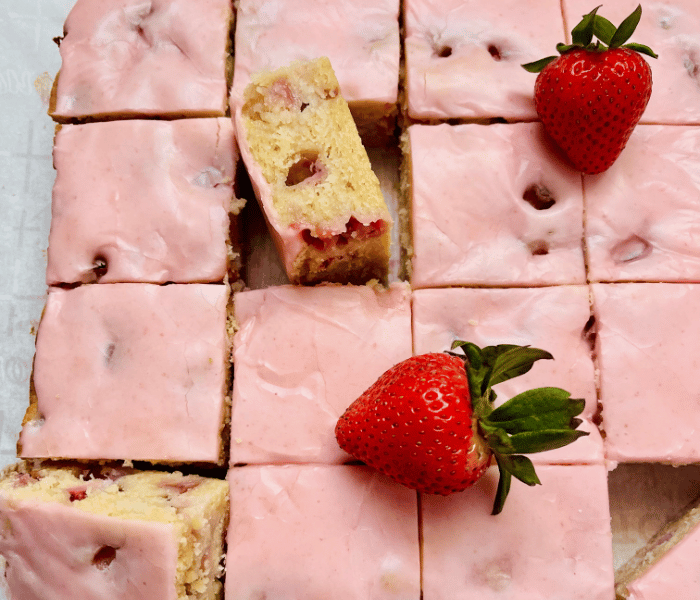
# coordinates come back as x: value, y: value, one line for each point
x: 361, y: 39
x: 551, y: 541
x: 472, y: 223
x: 130, y: 371
x: 555, y: 319
x: 125, y: 58
x: 463, y: 57
x: 648, y: 347
x: 672, y: 30
x: 302, y: 356
x: 321, y: 532
x: 142, y: 201
x: 642, y: 215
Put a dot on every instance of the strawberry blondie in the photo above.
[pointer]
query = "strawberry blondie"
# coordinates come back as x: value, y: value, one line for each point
x: 303, y: 531
x: 463, y: 57
x: 642, y: 214
x: 312, y: 176
x: 492, y: 205
x: 143, y: 201
x: 302, y: 355
x: 551, y: 540
x: 102, y: 532
x: 648, y: 366
x: 130, y: 371
x: 360, y: 38
x: 120, y: 57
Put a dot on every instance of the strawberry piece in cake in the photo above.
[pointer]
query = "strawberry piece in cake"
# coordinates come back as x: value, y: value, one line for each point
x: 556, y: 319
x: 360, y: 38
x: 463, y: 57
x: 302, y: 355
x: 321, y: 532
x: 125, y: 536
x: 642, y: 214
x: 130, y: 371
x: 131, y: 58
x: 672, y: 29
x: 492, y: 206
x: 647, y: 341
x: 144, y: 201
x: 312, y: 176
x: 665, y: 567
x: 551, y: 540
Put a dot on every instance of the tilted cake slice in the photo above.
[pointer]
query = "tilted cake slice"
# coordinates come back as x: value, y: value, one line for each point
x: 667, y: 566
x: 111, y: 533
x: 312, y: 176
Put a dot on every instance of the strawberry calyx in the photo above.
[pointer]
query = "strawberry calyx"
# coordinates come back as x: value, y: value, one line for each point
x: 609, y: 38
x: 533, y: 421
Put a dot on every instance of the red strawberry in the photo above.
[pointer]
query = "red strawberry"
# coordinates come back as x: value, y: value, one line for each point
x: 429, y: 422
x: 591, y: 97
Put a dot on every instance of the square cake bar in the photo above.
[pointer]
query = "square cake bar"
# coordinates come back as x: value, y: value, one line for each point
x: 143, y: 201
x: 134, y: 58
x: 302, y: 356
x: 130, y: 371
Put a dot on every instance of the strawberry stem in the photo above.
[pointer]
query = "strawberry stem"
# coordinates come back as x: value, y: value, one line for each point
x: 609, y: 37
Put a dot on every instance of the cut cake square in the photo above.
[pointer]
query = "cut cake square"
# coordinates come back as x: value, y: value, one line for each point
x: 643, y: 214
x: 130, y: 371
x: 492, y: 205
x: 672, y: 29
x: 463, y: 57
x: 647, y: 352
x: 360, y: 38
x: 551, y: 540
x: 555, y: 319
x: 143, y: 201
x: 302, y: 531
x: 112, y: 533
x: 312, y: 176
x: 302, y: 356
x: 132, y: 58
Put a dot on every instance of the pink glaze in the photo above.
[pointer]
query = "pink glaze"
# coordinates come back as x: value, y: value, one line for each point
x: 321, y: 532
x: 555, y: 319
x: 648, y: 346
x: 672, y: 29
x: 289, y: 238
x: 551, y: 541
x: 302, y: 356
x: 360, y: 38
x: 130, y: 371
x: 471, y: 221
x: 463, y: 57
x: 642, y: 214
x: 148, y: 199
x: 53, y: 552
x: 144, y: 57
x: 675, y: 575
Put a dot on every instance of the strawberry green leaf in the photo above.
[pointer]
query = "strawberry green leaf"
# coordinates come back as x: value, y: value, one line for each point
x: 536, y: 402
x: 515, y: 361
x: 642, y: 49
x: 582, y: 34
x: 504, y: 481
x: 520, y: 467
x: 626, y: 28
x: 538, y: 65
x: 541, y: 441
x: 603, y: 29
x: 496, y: 438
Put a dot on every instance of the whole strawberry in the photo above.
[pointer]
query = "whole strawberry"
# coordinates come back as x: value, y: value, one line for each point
x: 429, y: 422
x: 591, y: 97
